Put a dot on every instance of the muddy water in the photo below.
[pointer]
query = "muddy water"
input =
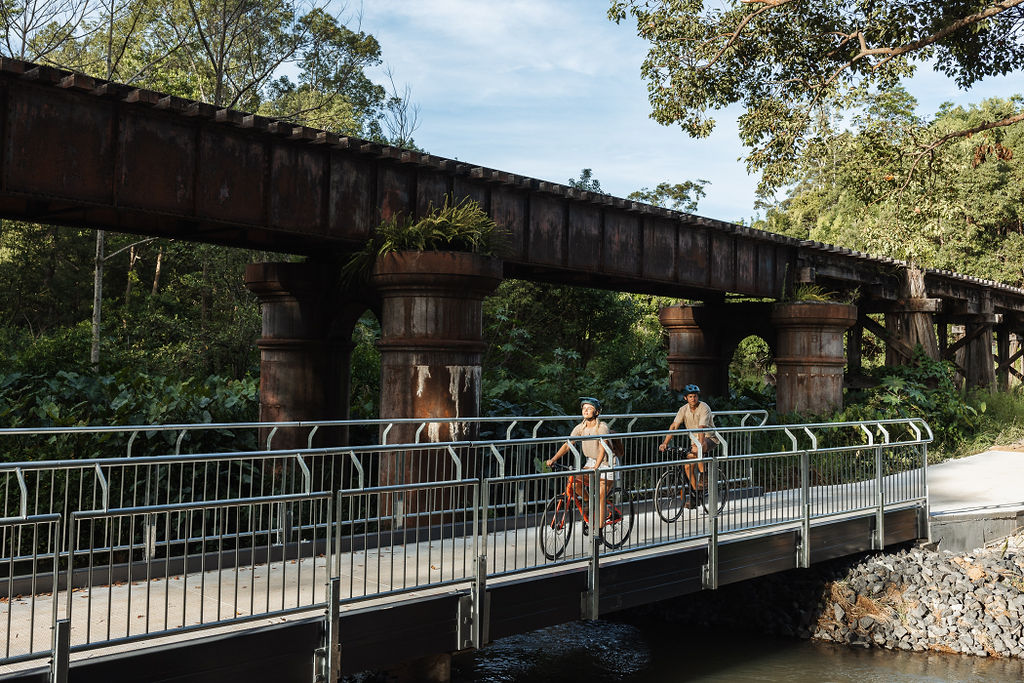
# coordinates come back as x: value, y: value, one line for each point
x: 657, y: 652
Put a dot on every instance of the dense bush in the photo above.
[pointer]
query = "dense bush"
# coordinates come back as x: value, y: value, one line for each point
x: 68, y: 399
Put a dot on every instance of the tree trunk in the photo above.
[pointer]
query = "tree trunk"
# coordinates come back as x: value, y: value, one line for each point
x: 97, y: 299
x: 132, y: 258
x: 156, y: 272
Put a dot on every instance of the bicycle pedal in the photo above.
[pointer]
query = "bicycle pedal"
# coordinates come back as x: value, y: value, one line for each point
x: 586, y: 529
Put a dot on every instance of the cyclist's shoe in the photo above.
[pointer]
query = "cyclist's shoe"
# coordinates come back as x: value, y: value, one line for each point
x: 586, y: 529
x: 689, y: 504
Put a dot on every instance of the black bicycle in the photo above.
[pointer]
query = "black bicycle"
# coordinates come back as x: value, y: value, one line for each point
x: 674, y: 490
x: 560, y: 516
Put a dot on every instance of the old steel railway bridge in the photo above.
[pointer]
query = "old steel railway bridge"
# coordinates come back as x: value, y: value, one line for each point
x: 87, y: 153
x: 295, y: 565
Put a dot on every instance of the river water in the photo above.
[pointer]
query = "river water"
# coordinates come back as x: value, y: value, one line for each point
x: 659, y: 652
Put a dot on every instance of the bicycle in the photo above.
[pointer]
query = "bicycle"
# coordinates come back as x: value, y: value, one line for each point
x: 674, y: 488
x: 559, y: 515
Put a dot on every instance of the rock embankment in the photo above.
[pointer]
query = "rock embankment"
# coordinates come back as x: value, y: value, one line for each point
x: 915, y: 599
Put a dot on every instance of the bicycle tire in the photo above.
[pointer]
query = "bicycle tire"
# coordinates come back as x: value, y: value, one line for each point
x: 555, y: 527
x: 670, y: 494
x: 723, y: 490
x: 622, y: 512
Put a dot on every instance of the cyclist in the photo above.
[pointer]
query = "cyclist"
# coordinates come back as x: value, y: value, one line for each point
x: 695, y: 414
x: 592, y: 448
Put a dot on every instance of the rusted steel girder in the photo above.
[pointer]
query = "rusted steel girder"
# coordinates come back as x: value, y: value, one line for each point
x: 89, y: 153
x: 431, y: 347
x: 809, y: 355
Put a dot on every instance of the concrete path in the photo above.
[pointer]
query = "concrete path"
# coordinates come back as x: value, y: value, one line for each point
x: 978, y: 499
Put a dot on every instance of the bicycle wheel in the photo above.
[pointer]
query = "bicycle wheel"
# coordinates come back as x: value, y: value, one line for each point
x: 670, y: 494
x: 555, y: 527
x: 621, y: 509
x: 722, y: 489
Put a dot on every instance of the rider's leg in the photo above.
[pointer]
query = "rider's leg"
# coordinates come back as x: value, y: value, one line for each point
x: 605, y: 485
x: 691, y: 474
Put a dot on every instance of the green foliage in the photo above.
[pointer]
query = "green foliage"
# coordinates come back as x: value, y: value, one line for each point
x: 460, y: 227
x: 586, y: 182
x: 679, y: 197
x: 68, y: 399
x: 866, y: 186
x: 787, y: 64
x: 171, y: 308
x: 547, y: 345
x: 924, y: 388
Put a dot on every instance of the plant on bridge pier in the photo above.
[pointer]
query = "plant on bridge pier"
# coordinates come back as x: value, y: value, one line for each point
x: 460, y: 227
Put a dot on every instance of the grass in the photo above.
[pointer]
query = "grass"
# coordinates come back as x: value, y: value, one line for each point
x: 1000, y: 423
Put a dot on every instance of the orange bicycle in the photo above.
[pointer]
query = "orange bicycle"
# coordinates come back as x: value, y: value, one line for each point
x: 560, y: 516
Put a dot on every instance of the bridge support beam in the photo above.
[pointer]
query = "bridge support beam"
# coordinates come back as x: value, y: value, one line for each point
x: 431, y: 347
x: 809, y: 355
x: 695, y: 348
x: 304, y: 354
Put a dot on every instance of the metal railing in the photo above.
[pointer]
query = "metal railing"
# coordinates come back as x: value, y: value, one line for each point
x: 106, y: 437
x: 152, y: 545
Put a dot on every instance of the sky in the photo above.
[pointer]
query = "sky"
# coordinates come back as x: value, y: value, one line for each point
x: 545, y: 88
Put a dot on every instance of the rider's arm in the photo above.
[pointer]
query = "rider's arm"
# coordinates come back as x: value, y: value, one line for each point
x: 558, y: 454
x: 668, y: 437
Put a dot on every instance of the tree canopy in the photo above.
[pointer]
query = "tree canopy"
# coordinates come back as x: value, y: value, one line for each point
x: 789, y: 62
x: 960, y: 210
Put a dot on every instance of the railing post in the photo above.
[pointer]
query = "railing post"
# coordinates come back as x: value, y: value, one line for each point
x: 473, y: 631
x: 60, y: 661
x: 710, y: 573
x: 878, y: 541
x: 327, y: 658
x: 804, y: 558
x: 590, y: 609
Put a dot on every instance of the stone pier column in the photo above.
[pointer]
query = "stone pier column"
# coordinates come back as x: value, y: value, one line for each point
x: 304, y: 364
x: 695, y: 349
x: 431, y: 348
x: 809, y: 355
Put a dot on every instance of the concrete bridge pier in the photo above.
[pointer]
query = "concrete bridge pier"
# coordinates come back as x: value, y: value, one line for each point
x: 809, y: 355
x: 431, y: 348
x: 695, y: 348
x: 305, y: 348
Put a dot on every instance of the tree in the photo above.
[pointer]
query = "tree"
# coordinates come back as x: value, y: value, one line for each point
x: 679, y: 197
x: 35, y: 28
x: 586, y: 182
x: 857, y: 186
x: 787, y: 63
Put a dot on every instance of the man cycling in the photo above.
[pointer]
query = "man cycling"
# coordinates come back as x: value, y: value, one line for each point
x: 695, y: 414
x: 592, y: 448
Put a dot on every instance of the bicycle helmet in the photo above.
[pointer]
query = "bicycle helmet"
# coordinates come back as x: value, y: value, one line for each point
x: 691, y: 389
x: 592, y: 401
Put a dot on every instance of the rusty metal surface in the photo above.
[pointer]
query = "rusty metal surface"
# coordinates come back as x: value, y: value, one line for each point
x: 86, y: 153
x: 431, y: 348
x: 809, y: 355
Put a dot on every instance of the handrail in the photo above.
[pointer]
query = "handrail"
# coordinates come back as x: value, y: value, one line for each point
x: 384, y: 448
x: 276, y: 426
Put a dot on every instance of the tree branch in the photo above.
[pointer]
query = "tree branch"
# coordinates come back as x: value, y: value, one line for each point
x: 734, y: 36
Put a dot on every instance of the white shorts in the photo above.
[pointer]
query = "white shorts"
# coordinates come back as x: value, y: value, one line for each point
x: 607, y: 476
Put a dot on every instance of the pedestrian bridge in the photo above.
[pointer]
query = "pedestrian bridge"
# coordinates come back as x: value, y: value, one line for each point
x: 296, y: 565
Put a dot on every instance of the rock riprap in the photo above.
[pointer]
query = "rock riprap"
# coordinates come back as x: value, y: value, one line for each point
x: 914, y: 599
